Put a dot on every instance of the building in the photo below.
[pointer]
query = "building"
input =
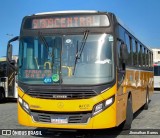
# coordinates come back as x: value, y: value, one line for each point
x: 15, y: 57
x: 156, y: 55
x: 2, y: 59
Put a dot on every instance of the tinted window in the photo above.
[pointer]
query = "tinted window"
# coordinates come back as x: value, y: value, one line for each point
x: 156, y: 70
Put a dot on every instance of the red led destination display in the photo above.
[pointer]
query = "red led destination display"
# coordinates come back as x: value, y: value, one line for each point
x: 72, y: 21
x: 37, y: 74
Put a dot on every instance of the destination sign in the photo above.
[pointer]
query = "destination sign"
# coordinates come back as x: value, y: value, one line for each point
x: 70, y: 21
x: 37, y: 73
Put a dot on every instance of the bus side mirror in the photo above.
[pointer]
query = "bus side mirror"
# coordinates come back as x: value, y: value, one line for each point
x: 9, y: 52
x: 124, y: 51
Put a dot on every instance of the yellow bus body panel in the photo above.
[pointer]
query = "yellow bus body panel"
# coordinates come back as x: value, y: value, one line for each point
x: 104, y: 119
x: 135, y: 82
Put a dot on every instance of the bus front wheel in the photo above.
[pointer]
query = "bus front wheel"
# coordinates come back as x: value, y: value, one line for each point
x: 129, y: 114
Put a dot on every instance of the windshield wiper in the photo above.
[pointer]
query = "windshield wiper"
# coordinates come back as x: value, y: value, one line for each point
x: 79, y: 52
x: 43, y: 40
x: 85, y: 36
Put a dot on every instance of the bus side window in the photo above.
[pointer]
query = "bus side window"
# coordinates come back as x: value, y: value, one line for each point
x: 120, y: 64
x: 128, y: 42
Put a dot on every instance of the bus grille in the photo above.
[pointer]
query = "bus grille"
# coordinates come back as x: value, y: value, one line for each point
x: 63, y: 94
x: 71, y: 118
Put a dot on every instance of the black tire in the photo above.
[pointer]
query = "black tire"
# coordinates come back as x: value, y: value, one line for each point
x: 2, y: 96
x: 129, y: 115
x: 146, y: 105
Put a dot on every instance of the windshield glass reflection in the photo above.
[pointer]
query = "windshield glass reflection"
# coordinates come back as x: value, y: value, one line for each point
x: 61, y: 59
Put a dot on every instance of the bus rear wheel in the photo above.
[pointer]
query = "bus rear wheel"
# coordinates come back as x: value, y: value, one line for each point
x: 146, y: 105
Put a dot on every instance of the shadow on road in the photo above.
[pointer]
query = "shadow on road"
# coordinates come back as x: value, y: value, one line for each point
x: 157, y: 89
x: 136, y: 114
x: 9, y: 100
x: 54, y: 133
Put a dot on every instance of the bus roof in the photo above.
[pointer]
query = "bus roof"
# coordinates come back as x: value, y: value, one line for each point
x: 70, y: 11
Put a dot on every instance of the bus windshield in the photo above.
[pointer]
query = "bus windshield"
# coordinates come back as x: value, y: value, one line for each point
x: 52, y: 59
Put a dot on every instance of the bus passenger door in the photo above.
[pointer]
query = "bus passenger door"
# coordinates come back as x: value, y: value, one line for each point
x: 11, y: 69
x: 11, y: 80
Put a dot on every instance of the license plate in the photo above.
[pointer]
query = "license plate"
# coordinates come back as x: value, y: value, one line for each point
x: 59, y: 120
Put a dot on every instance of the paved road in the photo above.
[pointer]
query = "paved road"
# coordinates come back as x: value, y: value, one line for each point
x: 143, y: 119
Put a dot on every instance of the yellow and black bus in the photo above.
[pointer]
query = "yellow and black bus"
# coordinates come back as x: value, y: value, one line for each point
x: 80, y: 70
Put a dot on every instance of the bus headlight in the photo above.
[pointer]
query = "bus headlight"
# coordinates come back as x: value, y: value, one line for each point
x: 24, y: 104
x: 103, y: 105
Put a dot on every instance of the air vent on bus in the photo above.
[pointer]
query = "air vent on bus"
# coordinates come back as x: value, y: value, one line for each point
x: 44, y: 118
x: 63, y: 94
x: 72, y: 118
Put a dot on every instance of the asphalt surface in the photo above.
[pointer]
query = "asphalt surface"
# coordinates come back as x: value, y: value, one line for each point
x: 145, y: 121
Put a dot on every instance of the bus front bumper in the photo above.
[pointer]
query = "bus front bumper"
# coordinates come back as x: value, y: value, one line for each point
x: 105, y: 119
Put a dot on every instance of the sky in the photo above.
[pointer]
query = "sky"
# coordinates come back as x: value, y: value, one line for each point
x: 142, y: 17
